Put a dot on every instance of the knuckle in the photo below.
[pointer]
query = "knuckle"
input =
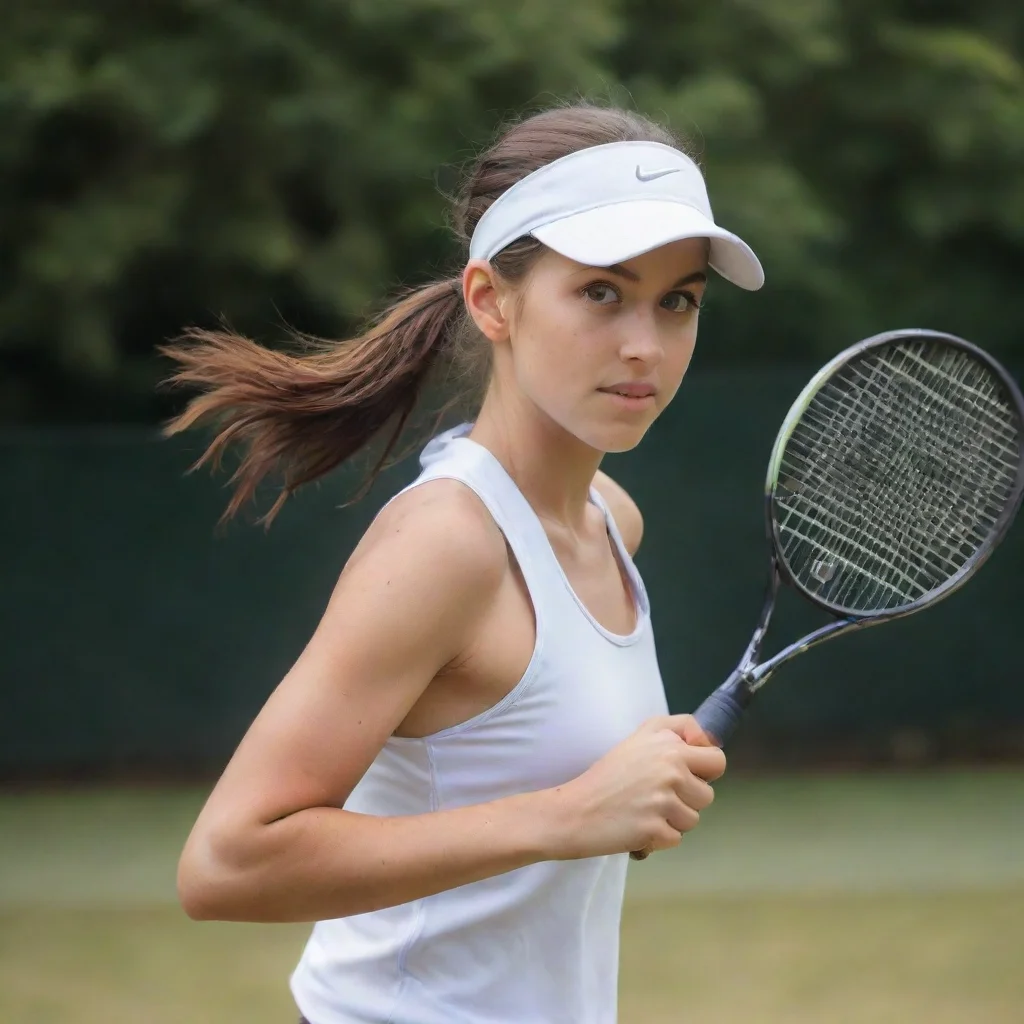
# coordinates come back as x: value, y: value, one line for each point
x: 671, y: 839
x: 663, y: 836
x: 684, y: 818
x: 690, y: 821
x: 681, y: 757
x: 667, y: 802
x: 701, y: 795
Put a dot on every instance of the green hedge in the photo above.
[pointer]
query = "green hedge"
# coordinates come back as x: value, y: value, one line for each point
x: 137, y: 637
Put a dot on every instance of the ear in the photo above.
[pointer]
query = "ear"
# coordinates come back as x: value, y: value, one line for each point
x: 486, y: 297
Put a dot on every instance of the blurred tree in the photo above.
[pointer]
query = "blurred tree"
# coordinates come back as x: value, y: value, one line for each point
x: 174, y: 161
x: 870, y: 149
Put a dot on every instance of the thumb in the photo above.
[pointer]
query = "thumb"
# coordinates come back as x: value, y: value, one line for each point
x: 689, y: 731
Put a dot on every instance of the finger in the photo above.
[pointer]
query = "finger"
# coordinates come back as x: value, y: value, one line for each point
x: 694, y: 791
x: 707, y: 763
x: 668, y: 840
x: 681, y: 818
x: 667, y: 835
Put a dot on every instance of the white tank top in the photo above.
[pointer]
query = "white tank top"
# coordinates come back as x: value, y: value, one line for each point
x: 538, y: 945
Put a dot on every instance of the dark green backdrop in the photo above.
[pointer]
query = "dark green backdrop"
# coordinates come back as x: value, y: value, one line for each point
x: 136, y: 637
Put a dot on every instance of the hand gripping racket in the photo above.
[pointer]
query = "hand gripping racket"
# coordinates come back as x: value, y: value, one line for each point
x: 896, y: 473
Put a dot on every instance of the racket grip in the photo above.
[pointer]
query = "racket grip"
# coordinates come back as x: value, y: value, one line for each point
x: 721, y: 712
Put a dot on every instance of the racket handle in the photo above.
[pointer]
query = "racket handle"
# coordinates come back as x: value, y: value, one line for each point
x: 721, y: 712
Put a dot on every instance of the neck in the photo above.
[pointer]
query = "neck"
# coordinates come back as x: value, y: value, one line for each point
x: 553, y: 468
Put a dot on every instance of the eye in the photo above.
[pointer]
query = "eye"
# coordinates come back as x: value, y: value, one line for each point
x: 680, y: 302
x: 601, y: 293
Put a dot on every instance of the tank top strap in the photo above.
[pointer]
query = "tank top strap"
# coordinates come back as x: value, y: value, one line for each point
x: 612, y: 526
x: 453, y: 456
x: 639, y: 590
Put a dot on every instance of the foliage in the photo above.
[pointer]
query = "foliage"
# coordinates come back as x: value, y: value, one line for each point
x: 180, y: 160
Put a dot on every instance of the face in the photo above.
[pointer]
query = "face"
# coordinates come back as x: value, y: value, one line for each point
x: 600, y: 351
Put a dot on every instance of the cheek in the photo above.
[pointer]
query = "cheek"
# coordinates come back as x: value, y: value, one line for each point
x: 677, y: 361
x: 554, y: 348
x: 685, y: 353
x: 557, y: 373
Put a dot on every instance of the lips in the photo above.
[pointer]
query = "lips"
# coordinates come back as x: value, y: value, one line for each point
x: 636, y: 389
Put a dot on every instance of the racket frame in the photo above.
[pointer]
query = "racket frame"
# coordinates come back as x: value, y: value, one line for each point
x: 721, y: 711
x: 999, y: 529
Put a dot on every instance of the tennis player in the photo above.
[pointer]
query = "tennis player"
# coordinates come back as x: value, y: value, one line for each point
x: 451, y: 776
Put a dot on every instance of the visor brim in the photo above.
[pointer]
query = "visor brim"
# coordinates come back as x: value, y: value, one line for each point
x: 621, y: 231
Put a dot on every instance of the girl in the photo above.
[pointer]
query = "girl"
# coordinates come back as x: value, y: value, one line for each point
x: 450, y: 777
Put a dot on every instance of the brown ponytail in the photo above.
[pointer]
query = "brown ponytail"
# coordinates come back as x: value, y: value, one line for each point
x: 301, y: 416
x: 297, y: 416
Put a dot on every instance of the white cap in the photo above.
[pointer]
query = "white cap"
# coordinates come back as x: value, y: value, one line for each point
x: 607, y: 204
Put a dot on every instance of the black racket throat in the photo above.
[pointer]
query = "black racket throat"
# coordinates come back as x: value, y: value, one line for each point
x: 722, y: 710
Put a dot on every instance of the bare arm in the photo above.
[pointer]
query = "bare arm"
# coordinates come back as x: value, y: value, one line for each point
x: 321, y: 862
x: 272, y: 842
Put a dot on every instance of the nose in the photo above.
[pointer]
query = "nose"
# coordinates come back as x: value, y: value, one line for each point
x: 642, y: 342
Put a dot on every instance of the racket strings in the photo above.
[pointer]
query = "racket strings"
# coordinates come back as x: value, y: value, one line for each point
x: 886, y: 508
x: 857, y: 505
x: 895, y: 474
x: 894, y: 578
x: 910, y: 536
x: 941, y: 491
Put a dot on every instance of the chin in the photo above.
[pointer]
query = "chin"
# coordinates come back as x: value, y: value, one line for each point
x: 615, y: 438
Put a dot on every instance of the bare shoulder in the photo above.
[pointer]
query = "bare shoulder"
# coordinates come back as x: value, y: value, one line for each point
x: 409, y: 600
x: 624, y: 510
x: 411, y: 597
x: 439, y: 531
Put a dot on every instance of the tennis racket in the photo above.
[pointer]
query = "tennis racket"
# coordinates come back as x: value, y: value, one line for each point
x: 896, y: 473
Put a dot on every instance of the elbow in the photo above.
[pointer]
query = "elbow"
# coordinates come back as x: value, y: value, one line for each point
x: 209, y: 886
x: 197, y: 899
x: 197, y: 894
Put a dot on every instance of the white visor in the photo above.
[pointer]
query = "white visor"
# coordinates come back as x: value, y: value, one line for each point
x: 607, y: 204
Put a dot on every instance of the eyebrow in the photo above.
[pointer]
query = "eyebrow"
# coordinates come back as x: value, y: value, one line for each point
x: 629, y: 275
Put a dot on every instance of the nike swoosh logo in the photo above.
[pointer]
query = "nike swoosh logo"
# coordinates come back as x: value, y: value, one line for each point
x: 651, y: 175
